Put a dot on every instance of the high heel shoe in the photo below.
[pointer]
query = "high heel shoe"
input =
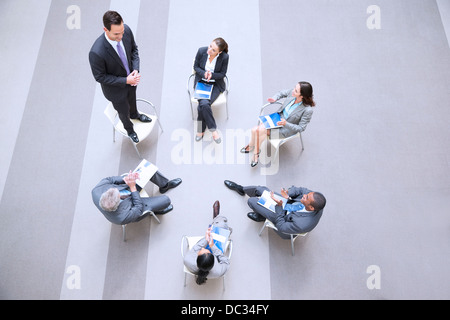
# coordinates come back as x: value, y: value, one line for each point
x: 198, y: 138
x: 255, y: 163
x: 247, y: 149
x: 218, y: 140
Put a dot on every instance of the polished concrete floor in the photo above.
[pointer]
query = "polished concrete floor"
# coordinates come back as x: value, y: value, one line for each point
x: 377, y: 147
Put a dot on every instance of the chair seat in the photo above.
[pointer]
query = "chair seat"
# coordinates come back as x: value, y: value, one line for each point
x: 269, y: 224
x: 278, y: 141
x: 142, y: 129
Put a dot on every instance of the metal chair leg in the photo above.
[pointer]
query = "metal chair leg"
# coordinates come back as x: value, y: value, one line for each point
x: 135, y: 147
x: 292, y: 244
x: 124, y: 234
x: 154, y: 216
x: 260, y: 231
x: 301, y: 141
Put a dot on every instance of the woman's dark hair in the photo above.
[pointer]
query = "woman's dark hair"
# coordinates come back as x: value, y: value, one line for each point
x: 111, y: 17
x: 221, y: 44
x: 205, y: 262
x: 306, y: 91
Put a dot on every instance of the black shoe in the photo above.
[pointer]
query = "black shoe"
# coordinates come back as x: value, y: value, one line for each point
x: 256, y: 217
x: 144, y: 118
x: 133, y: 136
x: 234, y: 186
x: 170, y: 185
x: 216, y: 208
x: 164, y: 211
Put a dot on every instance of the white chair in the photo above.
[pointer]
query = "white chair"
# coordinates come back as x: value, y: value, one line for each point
x: 294, y: 236
x: 222, y: 99
x: 188, y: 242
x: 142, y: 129
x: 143, y: 194
x: 277, y: 142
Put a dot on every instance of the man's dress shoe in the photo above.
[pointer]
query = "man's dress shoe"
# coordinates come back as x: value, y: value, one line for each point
x: 133, y: 136
x: 216, y: 208
x: 144, y: 118
x: 170, y: 185
x: 234, y: 186
x: 164, y: 211
x: 255, y: 216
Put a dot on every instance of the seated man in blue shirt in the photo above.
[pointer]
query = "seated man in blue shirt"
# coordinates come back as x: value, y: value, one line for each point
x: 301, y: 213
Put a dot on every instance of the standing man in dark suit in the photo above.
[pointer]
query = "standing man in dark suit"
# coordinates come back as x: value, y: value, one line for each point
x: 114, y: 60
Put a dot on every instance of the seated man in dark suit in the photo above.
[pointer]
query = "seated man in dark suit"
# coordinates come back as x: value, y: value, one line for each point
x: 119, y: 200
x: 301, y: 213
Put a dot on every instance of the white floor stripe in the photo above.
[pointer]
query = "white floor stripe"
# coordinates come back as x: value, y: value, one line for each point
x: 89, y: 241
x: 207, y: 165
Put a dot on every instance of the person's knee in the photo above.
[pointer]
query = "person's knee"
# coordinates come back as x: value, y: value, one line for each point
x: 202, y: 104
x: 252, y: 202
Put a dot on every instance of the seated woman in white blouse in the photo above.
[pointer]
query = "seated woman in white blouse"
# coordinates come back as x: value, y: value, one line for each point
x: 211, y: 64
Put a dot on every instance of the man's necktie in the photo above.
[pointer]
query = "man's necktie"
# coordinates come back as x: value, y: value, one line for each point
x: 122, y: 57
x: 296, y: 206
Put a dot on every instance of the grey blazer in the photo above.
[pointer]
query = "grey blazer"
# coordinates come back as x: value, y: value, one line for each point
x: 131, y: 208
x: 221, y: 262
x: 298, y: 119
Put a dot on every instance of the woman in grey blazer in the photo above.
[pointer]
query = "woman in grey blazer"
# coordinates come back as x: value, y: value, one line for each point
x: 208, y: 262
x: 296, y: 112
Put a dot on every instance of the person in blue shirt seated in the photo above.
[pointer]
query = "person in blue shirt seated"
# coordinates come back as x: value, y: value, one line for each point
x: 296, y: 112
x: 300, y: 214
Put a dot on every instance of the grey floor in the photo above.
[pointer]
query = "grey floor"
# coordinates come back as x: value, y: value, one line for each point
x: 377, y: 147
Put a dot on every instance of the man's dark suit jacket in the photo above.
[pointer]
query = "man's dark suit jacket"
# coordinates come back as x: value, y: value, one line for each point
x: 295, y: 222
x: 107, y: 67
x: 220, y: 71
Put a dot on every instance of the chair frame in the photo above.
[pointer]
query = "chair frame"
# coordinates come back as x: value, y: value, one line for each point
x: 293, y: 236
x: 115, y: 119
x: 185, y: 244
x: 190, y: 90
x: 282, y: 140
